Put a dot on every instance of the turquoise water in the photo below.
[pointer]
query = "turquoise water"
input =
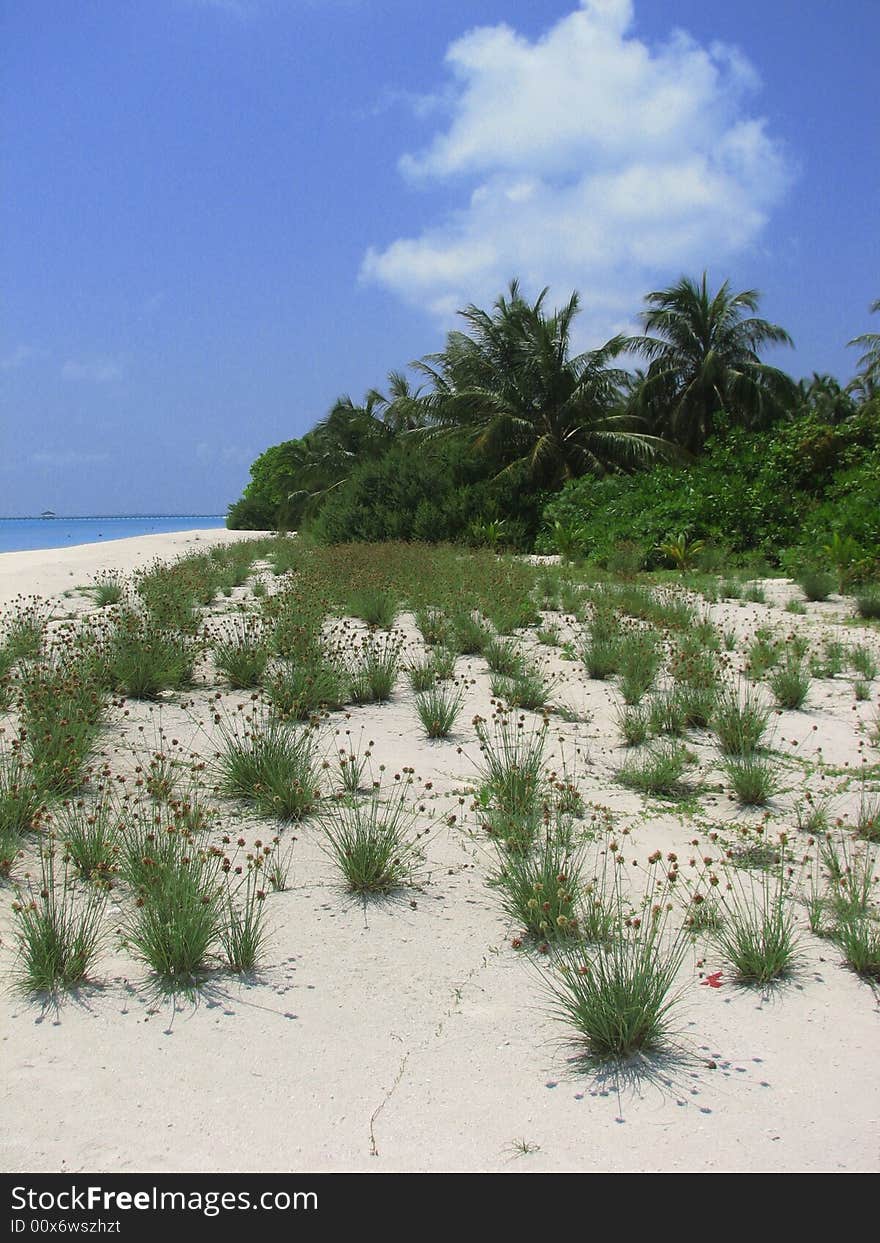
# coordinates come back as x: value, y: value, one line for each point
x: 18, y: 534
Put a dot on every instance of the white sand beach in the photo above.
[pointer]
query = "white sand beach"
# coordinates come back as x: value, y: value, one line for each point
x: 408, y: 1034
x: 49, y: 572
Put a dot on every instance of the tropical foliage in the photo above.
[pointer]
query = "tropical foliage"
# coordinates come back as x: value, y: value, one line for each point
x: 512, y: 438
x: 513, y: 388
x: 867, y: 381
x: 704, y: 356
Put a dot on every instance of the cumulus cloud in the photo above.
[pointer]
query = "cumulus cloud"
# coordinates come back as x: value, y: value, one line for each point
x: 586, y: 159
x: 95, y: 371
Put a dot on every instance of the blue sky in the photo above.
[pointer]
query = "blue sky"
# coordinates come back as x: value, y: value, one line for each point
x: 219, y: 215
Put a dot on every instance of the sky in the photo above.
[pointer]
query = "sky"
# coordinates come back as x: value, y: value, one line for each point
x: 217, y: 216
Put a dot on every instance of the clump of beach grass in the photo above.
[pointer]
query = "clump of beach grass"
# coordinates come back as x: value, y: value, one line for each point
x: 666, y: 713
x: 268, y: 763
x: 21, y: 801
x: 634, y: 724
x: 25, y: 630
x: 758, y: 934
x: 659, y: 770
x: 60, y: 710
x: 58, y: 925
x: 374, y: 605
x: 90, y: 834
x: 811, y: 817
x: 600, y: 651
x: 504, y: 658
x: 763, y: 656
x: 541, y: 888
x: 469, y: 634
x: 143, y: 659
x: 241, y: 653
x: 299, y: 688
x: 863, y: 661
x: 527, y: 689
x: 753, y: 778
x: 790, y: 684
x: 739, y: 722
x: 638, y: 661
x: 178, y: 911
x: 868, y: 602
x: 510, y: 771
x: 107, y: 589
x: 241, y: 930
x: 371, y: 841
x: 618, y: 998
x: 817, y: 585
x: 868, y: 817
x: 438, y: 709
x: 831, y: 661
x: 433, y: 624
x: 438, y: 665
x: 374, y: 673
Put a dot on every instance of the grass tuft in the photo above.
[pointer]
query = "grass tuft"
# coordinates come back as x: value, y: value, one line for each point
x: 59, y: 927
x: 371, y: 842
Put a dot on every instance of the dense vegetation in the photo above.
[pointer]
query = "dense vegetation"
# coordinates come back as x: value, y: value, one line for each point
x: 512, y: 440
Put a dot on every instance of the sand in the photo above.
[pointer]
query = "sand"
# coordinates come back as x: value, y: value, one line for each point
x: 409, y: 1035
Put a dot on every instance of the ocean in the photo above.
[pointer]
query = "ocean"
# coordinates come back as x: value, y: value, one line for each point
x: 19, y: 534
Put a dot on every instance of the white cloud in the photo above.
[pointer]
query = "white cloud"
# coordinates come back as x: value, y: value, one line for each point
x: 209, y: 453
x: 95, y: 371
x: 586, y: 159
x: 18, y: 357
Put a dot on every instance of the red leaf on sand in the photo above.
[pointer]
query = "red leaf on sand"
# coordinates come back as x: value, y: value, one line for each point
x: 713, y: 980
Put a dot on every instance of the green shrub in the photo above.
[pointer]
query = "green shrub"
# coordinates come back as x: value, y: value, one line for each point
x: 868, y: 602
x: 817, y: 585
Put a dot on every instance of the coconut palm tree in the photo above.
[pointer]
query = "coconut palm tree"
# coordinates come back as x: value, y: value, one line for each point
x: 704, y: 360
x: 823, y: 395
x: 512, y: 386
x: 868, y: 379
x: 352, y: 433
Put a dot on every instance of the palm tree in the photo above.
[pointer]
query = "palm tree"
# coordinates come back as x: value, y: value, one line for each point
x: 823, y: 395
x: 513, y: 388
x: 704, y: 359
x: 352, y: 433
x: 403, y: 410
x: 868, y: 379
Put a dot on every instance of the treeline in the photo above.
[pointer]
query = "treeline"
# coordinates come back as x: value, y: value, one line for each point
x: 509, y: 439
